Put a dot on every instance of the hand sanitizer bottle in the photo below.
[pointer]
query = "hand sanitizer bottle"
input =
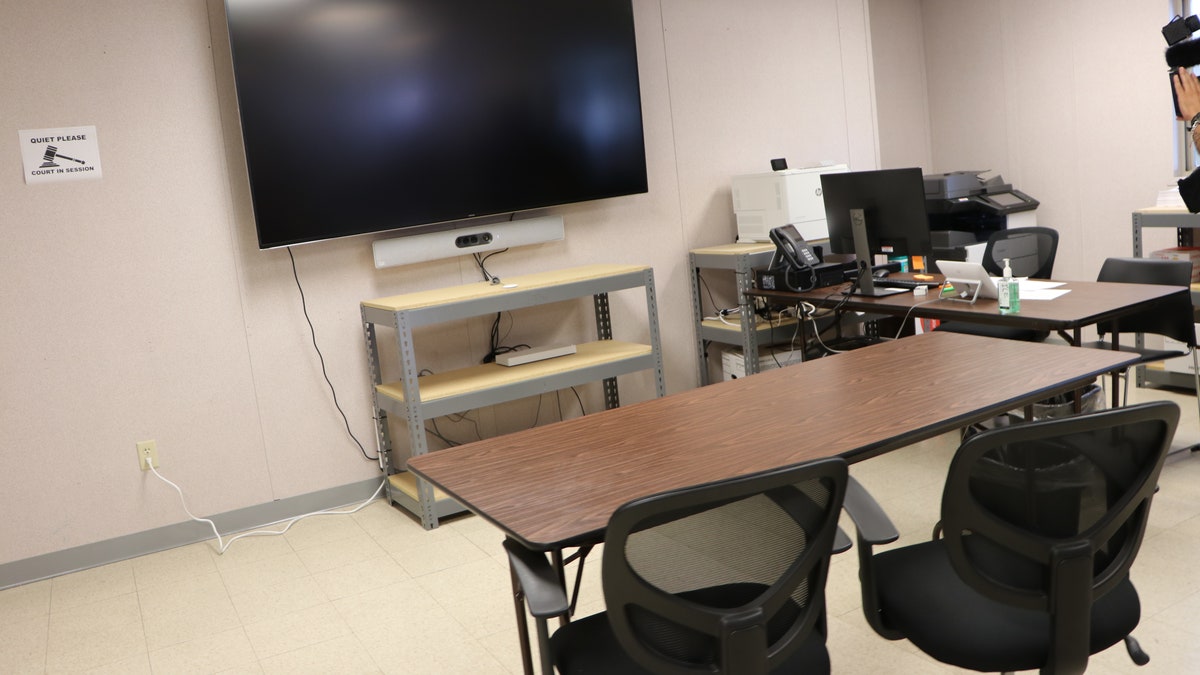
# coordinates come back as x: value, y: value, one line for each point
x: 1009, y: 291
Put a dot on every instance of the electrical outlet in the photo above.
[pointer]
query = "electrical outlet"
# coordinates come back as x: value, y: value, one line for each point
x: 147, y: 450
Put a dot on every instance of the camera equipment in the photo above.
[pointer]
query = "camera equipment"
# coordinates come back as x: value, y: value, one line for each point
x: 1183, y: 51
x: 1180, y: 28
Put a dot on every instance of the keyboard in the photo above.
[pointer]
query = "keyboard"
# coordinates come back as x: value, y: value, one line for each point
x: 888, y: 282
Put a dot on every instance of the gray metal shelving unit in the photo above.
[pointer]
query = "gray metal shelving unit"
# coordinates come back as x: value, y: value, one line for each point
x: 418, y: 399
x: 742, y: 259
x: 1185, y: 225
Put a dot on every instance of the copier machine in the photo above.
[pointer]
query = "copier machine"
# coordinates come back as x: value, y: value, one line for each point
x: 965, y: 208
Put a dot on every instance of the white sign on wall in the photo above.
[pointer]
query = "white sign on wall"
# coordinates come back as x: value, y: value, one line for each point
x: 54, y: 155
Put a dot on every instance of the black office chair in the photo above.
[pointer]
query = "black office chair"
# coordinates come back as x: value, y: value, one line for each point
x: 727, y: 577
x: 1031, y: 252
x: 1174, y: 319
x: 1042, y: 522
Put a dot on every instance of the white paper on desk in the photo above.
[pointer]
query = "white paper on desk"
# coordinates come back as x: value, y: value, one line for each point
x: 1038, y: 285
x: 1043, y: 293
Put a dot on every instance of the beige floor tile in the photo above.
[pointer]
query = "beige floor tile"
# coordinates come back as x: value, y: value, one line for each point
x: 375, y: 616
x: 174, y: 566
x: 249, y: 549
x: 186, y: 611
x: 296, y: 630
x: 360, y: 577
x: 435, y: 555
x: 433, y: 643
x: 478, y: 594
x: 322, y: 530
x: 340, y: 655
x: 23, y: 647
x: 95, y: 635
x: 263, y: 573
x: 22, y: 603
x: 504, y: 648
x: 92, y: 585
x: 134, y: 665
x: 273, y: 602
x: 381, y: 516
x: 214, y: 653
x: 325, y: 556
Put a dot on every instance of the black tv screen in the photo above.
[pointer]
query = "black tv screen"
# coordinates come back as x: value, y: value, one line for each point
x: 368, y: 115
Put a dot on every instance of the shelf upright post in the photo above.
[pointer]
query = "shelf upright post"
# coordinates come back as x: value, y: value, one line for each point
x: 382, y: 435
x: 612, y: 395
x: 660, y: 385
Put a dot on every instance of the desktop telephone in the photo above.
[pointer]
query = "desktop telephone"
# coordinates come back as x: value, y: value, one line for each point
x: 793, y: 248
x: 796, y: 266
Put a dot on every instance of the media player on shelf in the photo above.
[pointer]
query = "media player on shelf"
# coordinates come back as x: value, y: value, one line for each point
x: 531, y: 355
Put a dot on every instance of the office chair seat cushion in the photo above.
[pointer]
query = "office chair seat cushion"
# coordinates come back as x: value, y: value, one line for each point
x: 922, y: 596
x: 588, y: 645
x: 988, y: 330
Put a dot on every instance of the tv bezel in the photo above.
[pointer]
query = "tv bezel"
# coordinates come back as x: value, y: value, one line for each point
x: 634, y: 175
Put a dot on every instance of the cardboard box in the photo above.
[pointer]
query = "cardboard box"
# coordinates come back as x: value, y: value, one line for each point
x: 1189, y: 253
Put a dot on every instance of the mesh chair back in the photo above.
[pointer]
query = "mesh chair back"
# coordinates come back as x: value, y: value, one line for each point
x: 1021, y: 501
x: 1173, y: 318
x: 1030, y: 250
x: 727, y: 577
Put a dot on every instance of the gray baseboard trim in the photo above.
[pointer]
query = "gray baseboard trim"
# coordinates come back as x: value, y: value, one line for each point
x: 180, y: 534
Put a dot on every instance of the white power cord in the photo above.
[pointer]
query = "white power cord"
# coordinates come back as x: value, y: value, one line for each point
x: 224, y: 545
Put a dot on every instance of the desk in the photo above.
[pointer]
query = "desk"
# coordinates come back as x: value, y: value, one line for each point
x: 556, y: 486
x: 1088, y: 303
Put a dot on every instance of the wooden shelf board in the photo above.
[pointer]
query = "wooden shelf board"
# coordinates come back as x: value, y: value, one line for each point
x: 490, y: 375
x: 407, y: 483
x: 761, y: 327
x: 735, y: 249
x: 483, y: 289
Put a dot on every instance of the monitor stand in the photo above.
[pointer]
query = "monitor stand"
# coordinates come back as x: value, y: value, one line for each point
x: 863, y: 258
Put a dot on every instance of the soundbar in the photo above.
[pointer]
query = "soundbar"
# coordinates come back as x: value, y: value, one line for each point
x: 472, y: 239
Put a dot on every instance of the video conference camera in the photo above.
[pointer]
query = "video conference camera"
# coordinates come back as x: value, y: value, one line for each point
x: 1183, y: 51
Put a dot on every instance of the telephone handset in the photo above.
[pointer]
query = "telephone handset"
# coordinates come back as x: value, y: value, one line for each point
x: 798, y: 254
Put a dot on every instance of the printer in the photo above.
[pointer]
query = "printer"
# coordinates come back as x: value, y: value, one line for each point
x: 964, y: 209
x: 765, y: 201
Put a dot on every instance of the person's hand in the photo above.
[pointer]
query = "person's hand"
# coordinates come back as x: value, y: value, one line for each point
x: 1187, y: 92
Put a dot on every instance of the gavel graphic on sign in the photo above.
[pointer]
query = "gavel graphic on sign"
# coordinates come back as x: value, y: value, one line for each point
x: 52, y: 153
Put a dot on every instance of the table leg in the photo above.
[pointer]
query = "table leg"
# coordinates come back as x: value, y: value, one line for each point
x: 522, y: 626
x: 1116, y: 377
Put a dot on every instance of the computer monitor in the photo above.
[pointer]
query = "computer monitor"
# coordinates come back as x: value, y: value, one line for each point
x: 876, y: 213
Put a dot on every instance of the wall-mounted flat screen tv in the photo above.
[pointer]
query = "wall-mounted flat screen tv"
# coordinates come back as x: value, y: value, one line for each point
x: 368, y: 115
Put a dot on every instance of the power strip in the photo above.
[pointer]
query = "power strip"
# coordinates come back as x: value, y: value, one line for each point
x: 531, y: 355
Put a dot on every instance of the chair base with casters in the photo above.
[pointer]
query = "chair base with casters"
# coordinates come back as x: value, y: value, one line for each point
x: 1041, y: 524
x: 723, y: 578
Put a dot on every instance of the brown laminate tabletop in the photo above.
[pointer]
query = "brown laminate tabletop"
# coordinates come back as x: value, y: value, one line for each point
x: 1087, y: 303
x: 556, y: 485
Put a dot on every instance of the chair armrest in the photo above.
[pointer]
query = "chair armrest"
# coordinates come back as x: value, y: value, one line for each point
x: 874, y: 527
x: 841, y: 541
x: 543, y: 591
